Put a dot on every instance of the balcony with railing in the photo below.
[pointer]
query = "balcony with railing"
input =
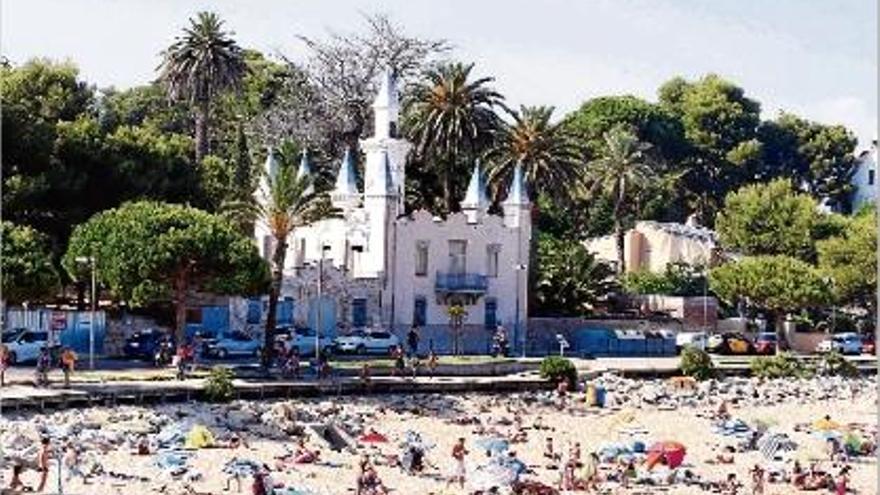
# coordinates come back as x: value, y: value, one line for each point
x: 462, y: 283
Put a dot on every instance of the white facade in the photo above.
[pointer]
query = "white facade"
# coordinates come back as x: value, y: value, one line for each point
x: 383, y: 267
x: 864, y: 179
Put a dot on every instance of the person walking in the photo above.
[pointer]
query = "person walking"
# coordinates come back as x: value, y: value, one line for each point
x: 44, y: 361
x: 432, y: 362
x: 459, y: 452
x: 43, y: 462
x: 68, y: 364
x: 412, y: 340
x: 4, y: 363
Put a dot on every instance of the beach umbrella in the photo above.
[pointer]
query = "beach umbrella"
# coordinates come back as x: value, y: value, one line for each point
x: 673, y: 452
x: 492, y: 444
x: 772, y: 443
x: 373, y: 437
x: 825, y: 424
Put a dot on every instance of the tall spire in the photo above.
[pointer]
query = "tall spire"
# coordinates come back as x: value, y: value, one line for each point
x: 381, y: 182
x: 476, y: 198
x: 517, y: 194
x: 386, y: 107
x: 305, y: 170
x: 345, y: 193
x: 387, y: 95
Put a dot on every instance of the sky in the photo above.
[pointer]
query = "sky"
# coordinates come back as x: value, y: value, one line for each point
x: 814, y: 58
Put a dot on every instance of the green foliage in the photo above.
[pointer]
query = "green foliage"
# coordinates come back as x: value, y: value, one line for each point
x: 570, y: 281
x: 835, y: 364
x: 697, y: 363
x: 720, y: 124
x: 651, y: 122
x: 558, y: 368
x: 550, y: 158
x: 775, y: 283
x: 148, y: 251
x: 623, y: 172
x: 28, y: 272
x: 818, y: 157
x: 450, y: 117
x: 678, y: 279
x: 768, y: 219
x: 782, y: 365
x: 218, y: 384
x: 850, y: 259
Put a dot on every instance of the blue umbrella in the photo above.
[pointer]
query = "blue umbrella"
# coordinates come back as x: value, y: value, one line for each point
x: 493, y: 444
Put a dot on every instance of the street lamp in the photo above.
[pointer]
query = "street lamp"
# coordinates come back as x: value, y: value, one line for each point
x: 324, y: 249
x: 91, y: 261
x: 522, y: 335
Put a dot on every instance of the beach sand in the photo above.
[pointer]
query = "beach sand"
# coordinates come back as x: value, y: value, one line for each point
x: 432, y: 417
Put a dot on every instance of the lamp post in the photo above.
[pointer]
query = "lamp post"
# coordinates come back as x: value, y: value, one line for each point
x: 90, y: 260
x: 324, y: 248
x: 519, y: 267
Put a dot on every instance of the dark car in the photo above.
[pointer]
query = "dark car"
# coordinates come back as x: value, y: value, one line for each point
x: 143, y: 345
x: 766, y: 343
x: 869, y: 344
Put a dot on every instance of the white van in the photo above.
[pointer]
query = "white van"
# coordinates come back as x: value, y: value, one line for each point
x: 691, y: 339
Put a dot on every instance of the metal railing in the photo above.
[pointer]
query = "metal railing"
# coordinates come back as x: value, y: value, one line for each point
x: 461, y: 282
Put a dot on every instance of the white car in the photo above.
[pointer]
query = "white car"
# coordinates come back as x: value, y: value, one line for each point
x: 25, y: 345
x: 844, y: 343
x: 363, y: 342
x: 301, y: 340
x: 691, y: 339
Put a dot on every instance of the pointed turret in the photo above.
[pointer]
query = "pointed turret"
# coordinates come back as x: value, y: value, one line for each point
x: 475, y: 201
x: 516, y: 206
x: 345, y: 192
x: 305, y: 170
x: 386, y: 106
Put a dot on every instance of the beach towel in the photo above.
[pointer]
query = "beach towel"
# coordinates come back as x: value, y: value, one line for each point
x: 199, y: 437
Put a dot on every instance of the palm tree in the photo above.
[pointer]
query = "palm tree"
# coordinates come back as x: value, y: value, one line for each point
x: 287, y: 202
x: 450, y: 118
x: 199, y: 65
x: 549, y: 155
x: 623, y: 168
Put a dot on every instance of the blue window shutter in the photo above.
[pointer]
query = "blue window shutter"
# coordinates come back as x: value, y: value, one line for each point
x: 359, y: 312
x: 491, y: 320
x: 420, y: 311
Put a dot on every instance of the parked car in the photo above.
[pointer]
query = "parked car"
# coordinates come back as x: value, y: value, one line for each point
x: 143, y: 345
x: 766, y: 343
x: 301, y: 340
x: 234, y: 344
x: 729, y: 343
x: 869, y: 345
x: 691, y: 339
x: 25, y: 345
x: 844, y: 343
x: 363, y: 342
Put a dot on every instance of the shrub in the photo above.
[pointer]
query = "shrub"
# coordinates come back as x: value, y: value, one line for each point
x: 218, y: 385
x: 782, y: 365
x: 834, y: 363
x: 556, y: 368
x: 697, y: 363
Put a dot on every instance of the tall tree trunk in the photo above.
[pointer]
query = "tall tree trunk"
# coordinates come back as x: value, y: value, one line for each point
x: 202, y: 108
x: 80, y: 295
x: 447, y: 188
x: 181, y: 285
x: 618, y: 227
x: 278, y: 256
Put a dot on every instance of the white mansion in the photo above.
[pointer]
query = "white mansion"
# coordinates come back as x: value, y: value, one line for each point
x: 381, y: 266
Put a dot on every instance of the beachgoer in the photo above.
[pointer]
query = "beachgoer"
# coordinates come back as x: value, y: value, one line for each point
x: 366, y: 375
x: 412, y: 340
x: 548, y: 449
x: 68, y: 363
x: 459, y: 452
x: 72, y: 463
x: 259, y: 486
x: 181, y: 361
x: 15, y: 483
x: 4, y: 363
x: 44, y: 361
x: 432, y: 362
x: 757, y: 480
x: 143, y: 445
x: 414, y: 364
x: 399, y: 363
x: 731, y: 485
x: 842, y: 481
x: 589, y: 473
x: 43, y: 462
x: 798, y: 475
